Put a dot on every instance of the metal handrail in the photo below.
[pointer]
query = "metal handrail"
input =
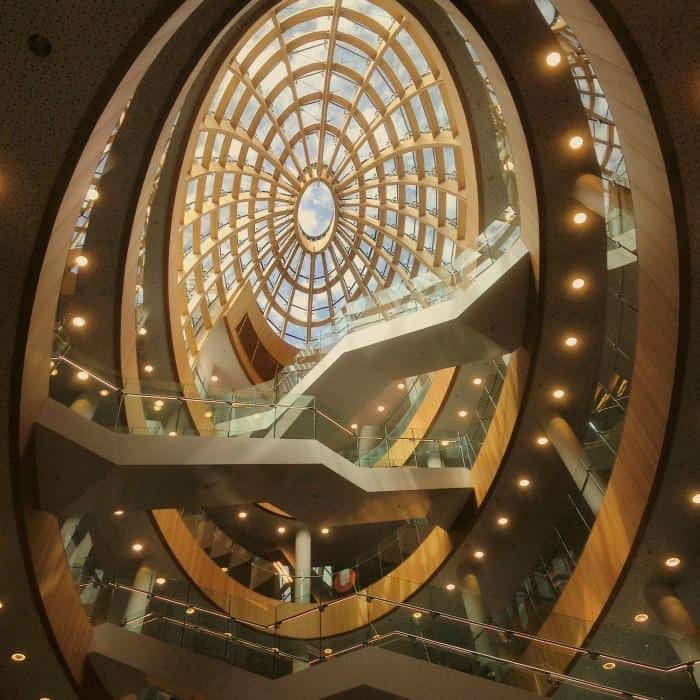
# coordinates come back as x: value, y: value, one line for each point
x: 385, y: 637
x: 505, y: 631
x: 58, y: 359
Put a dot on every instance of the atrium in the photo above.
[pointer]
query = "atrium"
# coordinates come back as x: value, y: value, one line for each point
x: 347, y: 350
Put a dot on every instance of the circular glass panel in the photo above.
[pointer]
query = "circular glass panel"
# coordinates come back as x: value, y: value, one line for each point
x: 316, y: 210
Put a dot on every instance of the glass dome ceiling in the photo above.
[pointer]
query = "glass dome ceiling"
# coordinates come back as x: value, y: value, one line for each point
x: 329, y: 165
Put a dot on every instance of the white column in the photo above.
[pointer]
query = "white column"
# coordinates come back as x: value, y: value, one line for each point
x: 67, y: 531
x: 302, y: 569
x: 137, y: 605
x: 475, y: 610
x: 575, y: 459
x: 683, y: 633
x: 85, y: 406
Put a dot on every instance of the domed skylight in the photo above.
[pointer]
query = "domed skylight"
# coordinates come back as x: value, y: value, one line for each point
x: 330, y: 165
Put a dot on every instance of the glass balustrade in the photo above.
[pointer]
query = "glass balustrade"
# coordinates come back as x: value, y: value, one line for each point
x: 250, y: 412
x: 430, y: 625
x: 275, y: 579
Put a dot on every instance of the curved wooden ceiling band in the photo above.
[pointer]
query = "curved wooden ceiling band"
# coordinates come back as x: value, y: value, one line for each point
x: 629, y: 490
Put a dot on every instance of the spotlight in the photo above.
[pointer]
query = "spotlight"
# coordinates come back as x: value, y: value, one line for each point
x: 553, y: 59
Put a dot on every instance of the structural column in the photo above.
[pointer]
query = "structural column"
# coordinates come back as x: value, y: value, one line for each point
x: 684, y: 635
x: 475, y: 610
x: 137, y: 605
x: 576, y: 460
x: 302, y: 572
x: 84, y: 406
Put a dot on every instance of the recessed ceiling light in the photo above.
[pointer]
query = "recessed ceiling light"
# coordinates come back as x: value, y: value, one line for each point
x: 92, y: 195
x: 148, y: 368
x: 208, y: 414
x: 696, y: 498
x: 578, y: 283
x: 571, y: 341
x: 580, y: 218
x: 142, y: 331
x: 575, y: 142
x: 327, y: 651
x: 542, y: 440
x: 417, y: 615
x: 224, y: 569
x: 81, y: 261
x: 450, y: 587
x: 503, y: 521
x: 160, y: 581
x: 400, y: 385
x: 172, y: 433
x: 54, y: 372
x: 281, y: 530
x: 242, y: 514
x: 673, y: 562
x: 82, y: 375
x: 18, y: 657
x: 118, y: 513
x: 524, y: 483
x: 190, y: 611
x: 553, y: 59
x: 380, y: 408
x: 558, y: 393
x: 462, y: 414
x: 609, y: 665
x: 479, y: 554
x: 159, y: 403
x: 444, y: 443
x: 641, y: 617
x: 353, y: 426
x: 214, y: 378
x: 477, y: 381
x: 2, y: 605
x: 325, y: 530
x: 78, y: 322
x: 137, y: 547
x: 104, y: 392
